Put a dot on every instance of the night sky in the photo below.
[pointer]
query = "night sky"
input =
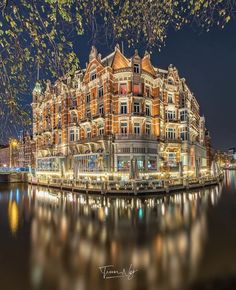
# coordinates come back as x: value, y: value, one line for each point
x: 208, y: 62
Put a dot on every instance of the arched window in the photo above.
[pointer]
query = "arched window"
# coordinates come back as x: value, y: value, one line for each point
x: 171, y: 81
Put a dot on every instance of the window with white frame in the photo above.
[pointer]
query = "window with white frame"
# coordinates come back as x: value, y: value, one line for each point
x: 136, y: 107
x: 123, y: 128
x: 137, y: 130
x: 100, y: 91
x: 183, y: 115
x: 148, y: 109
x: 72, y: 135
x: 170, y: 98
x: 184, y: 133
x: 170, y: 115
x: 148, y: 129
x: 123, y: 107
x: 93, y: 75
x: 170, y: 133
x: 136, y: 68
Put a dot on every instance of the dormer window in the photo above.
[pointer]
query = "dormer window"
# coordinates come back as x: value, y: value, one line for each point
x: 170, y: 81
x: 93, y: 75
x: 136, y: 68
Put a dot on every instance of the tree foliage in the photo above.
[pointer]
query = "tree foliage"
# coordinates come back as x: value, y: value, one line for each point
x: 44, y: 33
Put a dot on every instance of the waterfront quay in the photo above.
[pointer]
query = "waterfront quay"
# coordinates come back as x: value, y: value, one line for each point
x: 131, y: 187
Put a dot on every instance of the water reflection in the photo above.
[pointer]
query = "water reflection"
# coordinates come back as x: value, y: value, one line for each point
x: 71, y: 236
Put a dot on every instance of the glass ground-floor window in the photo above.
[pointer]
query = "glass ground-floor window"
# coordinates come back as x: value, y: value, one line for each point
x: 171, y: 159
x: 48, y: 164
x: 91, y: 162
x: 140, y: 162
x: 123, y: 163
x: 152, y: 163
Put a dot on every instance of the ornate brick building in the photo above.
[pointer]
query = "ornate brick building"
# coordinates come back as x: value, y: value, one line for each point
x: 118, y: 116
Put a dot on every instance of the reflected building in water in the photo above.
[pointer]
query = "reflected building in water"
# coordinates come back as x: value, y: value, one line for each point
x: 73, y: 235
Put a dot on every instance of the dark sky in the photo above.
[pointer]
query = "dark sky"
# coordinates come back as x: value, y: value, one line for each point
x: 208, y: 62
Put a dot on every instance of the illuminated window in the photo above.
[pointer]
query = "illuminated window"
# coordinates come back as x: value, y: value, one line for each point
x: 136, y: 89
x: 171, y: 158
x: 123, y: 89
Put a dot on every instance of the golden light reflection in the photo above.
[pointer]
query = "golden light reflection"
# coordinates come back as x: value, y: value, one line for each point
x: 159, y: 236
x: 13, y: 216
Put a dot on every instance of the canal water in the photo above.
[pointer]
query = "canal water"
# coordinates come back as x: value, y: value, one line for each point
x: 57, y: 240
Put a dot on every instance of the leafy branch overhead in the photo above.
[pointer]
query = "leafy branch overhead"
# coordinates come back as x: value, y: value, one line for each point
x: 45, y: 32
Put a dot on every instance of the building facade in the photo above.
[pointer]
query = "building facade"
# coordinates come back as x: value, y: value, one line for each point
x: 118, y: 118
x: 26, y: 151
x: 4, y: 156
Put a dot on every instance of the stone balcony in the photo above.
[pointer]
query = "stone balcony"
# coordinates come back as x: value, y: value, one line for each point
x: 135, y: 137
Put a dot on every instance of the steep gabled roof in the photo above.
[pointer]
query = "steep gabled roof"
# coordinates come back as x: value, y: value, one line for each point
x: 147, y: 65
x: 119, y: 60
